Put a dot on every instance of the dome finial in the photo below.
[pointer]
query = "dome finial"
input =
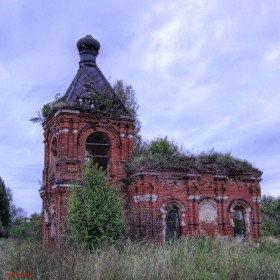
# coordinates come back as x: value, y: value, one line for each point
x: 88, y: 48
x: 88, y: 43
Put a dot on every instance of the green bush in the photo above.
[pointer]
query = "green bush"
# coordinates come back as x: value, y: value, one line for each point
x: 270, y: 207
x: 27, y: 228
x: 47, y: 110
x: 95, y: 213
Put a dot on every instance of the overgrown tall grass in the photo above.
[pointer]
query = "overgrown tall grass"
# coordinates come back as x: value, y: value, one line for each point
x: 190, y: 258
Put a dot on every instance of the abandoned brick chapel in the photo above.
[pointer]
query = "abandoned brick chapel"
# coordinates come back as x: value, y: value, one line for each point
x: 163, y: 202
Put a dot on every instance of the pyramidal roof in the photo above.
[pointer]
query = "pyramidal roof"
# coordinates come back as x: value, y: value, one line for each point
x: 90, y: 89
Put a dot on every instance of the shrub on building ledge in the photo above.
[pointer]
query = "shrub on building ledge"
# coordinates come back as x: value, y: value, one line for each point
x: 164, y: 153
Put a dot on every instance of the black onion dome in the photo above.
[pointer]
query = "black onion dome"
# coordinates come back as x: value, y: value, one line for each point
x: 88, y: 43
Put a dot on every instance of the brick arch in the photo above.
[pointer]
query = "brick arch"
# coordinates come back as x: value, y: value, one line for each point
x: 208, y: 199
x: 174, y: 202
x: 247, y: 214
x: 111, y: 133
x: 239, y: 202
x: 50, y: 133
x: 181, y: 216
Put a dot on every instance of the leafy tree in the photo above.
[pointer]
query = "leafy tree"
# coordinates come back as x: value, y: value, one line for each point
x: 4, y: 210
x: 24, y: 227
x: 20, y: 225
x: 127, y: 96
x: 270, y: 215
x: 95, y: 213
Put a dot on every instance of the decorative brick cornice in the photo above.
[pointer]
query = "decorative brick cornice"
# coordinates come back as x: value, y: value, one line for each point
x: 192, y: 176
x: 251, y: 179
x: 145, y: 197
x: 71, y: 111
x: 257, y: 199
x: 220, y: 177
x: 63, y: 186
x: 222, y: 198
x: 193, y: 197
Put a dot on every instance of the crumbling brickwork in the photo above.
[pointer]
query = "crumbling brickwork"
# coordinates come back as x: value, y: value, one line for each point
x: 160, y: 204
x: 70, y: 129
x: 205, y: 203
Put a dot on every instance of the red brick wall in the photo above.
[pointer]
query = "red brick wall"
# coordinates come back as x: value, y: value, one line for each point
x: 203, y: 201
x: 71, y: 129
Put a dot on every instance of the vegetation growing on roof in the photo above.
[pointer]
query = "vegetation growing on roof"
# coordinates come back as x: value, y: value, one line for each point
x: 164, y: 153
x: 105, y: 102
x: 47, y: 109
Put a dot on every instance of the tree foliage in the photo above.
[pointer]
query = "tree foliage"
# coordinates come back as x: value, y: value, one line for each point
x: 270, y: 215
x: 24, y: 227
x: 95, y: 213
x: 20, y: 225
x: 4, y: 210
x: 163, y: 146
x: 127, y: 96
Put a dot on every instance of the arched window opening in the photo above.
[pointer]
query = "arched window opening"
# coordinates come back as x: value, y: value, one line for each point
x: 172, y: 230
x: 53, y: 227
x: 53, y: 157
x: 97, y: 149
x: 54, y: 147
x: 239, y: 221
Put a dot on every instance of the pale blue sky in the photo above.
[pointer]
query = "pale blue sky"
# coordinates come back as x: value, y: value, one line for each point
x: 206, y: 73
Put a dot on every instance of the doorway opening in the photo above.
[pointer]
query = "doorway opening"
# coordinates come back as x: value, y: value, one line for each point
x: 172, y: 230
x: 239, y: 222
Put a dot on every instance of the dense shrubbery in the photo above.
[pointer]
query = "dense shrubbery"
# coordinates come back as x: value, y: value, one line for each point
x: 23, y: 227
x: 161, y: 153
x: 270, y: 215
x: 95, y: 210
x: 190, y: 258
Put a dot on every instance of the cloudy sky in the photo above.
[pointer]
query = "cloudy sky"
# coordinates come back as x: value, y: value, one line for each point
x: 206, y: 73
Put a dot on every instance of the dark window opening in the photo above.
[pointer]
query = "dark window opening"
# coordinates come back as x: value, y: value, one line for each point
x: 54, y: 147
x: 53, y: 157
x: 172, y: 230
x: 97, y: 149
x: 239, y: 222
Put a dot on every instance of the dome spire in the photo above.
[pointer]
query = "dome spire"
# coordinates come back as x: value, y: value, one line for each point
x: 88, y: 48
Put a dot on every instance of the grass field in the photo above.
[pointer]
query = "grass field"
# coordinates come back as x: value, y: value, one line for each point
x: 191, y: 258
